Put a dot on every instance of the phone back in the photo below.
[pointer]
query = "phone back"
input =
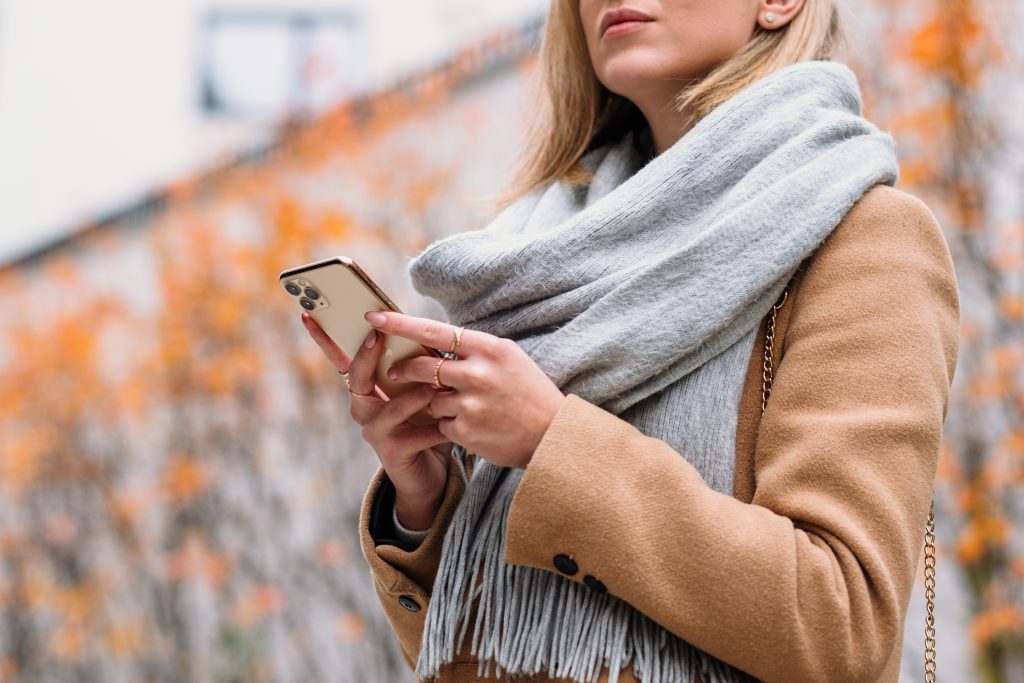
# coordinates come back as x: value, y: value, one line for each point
x: 337, y: 295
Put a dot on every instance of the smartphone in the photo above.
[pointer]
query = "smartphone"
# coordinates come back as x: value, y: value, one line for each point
x: 336, y: 293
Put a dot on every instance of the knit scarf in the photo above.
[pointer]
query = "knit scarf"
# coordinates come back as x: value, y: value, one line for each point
x: 640, y: 292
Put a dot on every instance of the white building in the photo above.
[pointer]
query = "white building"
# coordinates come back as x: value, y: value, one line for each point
x: 102, y: 101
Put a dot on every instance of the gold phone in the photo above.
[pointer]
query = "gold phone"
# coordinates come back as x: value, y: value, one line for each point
x: 336, y: 293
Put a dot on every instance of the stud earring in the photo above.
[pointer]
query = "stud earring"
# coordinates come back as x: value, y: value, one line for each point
x: 769, y: 17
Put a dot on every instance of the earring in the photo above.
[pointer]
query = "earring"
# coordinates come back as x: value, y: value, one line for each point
x: 769, y: 17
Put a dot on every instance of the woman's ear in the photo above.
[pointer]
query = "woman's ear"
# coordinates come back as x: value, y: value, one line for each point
x: 773, y: 14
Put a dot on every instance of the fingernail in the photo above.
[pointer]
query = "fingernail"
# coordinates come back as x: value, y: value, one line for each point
x: 371, y: 339
x: 392, y: 373
x: 375, y: 318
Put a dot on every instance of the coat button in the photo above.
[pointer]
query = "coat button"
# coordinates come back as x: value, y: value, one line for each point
x: 594, y: 583
x: 408, y: 603
x: 565, y: 564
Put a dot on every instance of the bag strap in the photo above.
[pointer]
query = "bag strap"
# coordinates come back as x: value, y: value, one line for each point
x: 929, y: 533
x: 929, y: 595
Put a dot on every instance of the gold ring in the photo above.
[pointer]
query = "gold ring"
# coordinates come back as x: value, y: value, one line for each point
x: 437, y: 377
x: 355, y: 393
x: 457, y: 341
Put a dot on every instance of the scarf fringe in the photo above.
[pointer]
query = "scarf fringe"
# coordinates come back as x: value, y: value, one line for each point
x: 530, y: 621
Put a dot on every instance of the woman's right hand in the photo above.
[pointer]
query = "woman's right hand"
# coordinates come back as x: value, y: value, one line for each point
x: 407, y: 451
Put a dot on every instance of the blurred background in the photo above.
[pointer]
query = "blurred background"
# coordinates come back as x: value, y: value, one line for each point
x: 179, y: 477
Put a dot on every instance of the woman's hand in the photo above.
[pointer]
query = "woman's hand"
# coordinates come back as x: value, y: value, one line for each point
x: 406, y: 451
x: 500, y: 403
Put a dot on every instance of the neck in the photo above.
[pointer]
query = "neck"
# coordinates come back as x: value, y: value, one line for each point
x: 666, y: 124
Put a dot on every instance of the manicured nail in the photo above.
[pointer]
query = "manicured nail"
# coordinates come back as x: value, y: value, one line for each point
x: 392, y: 373
x: 375, y: 318
x: 371, y: 339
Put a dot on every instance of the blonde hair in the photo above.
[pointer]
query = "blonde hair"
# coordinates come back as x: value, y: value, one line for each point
x: 583, y: 114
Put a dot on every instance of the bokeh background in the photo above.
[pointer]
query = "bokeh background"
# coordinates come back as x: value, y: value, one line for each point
x: 179, y: 478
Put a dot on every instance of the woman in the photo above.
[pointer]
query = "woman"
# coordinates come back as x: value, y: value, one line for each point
x: 608, y: 492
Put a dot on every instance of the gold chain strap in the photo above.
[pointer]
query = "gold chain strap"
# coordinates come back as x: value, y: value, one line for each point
x: 929, y: 595
x: 929, y: 534
x: 766, y: 372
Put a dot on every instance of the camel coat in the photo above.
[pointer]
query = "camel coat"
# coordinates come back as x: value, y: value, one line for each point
x: 806, y: 571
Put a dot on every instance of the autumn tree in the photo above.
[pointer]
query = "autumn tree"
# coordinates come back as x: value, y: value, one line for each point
x: 179, y: 477
x: 944, y: 77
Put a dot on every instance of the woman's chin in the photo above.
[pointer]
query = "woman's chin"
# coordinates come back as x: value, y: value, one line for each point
x: 639, y: 69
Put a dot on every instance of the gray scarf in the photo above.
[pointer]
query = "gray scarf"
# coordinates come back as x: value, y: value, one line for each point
x: 640, y: 292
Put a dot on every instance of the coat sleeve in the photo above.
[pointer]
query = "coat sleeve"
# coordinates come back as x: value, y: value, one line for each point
x: 404, y: 579
x: 810, y: 580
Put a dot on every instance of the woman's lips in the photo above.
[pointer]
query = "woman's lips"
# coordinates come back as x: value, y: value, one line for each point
x: 624, y: 27
x: 623, y: 20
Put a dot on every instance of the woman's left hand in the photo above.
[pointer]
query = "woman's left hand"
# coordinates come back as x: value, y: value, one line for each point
x: 500, y: 402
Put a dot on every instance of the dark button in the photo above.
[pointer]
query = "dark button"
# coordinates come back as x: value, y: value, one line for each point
x: 594, y: 583
x: 565, y: 564
x: 408, y: 603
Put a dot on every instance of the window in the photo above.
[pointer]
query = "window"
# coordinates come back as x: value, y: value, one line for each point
x: 260, y: 64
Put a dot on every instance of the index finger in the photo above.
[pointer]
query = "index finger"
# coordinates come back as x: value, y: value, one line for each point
x: 338, y: 358
x: 432, y: 333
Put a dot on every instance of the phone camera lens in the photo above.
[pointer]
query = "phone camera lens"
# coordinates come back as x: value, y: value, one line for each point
x: 307, y: 304
x: 293, y: 288
x: 312, y: 293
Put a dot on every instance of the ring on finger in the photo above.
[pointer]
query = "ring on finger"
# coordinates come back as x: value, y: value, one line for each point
x: 437, y: 376
x: 354, y: 393
x: 456, y: 341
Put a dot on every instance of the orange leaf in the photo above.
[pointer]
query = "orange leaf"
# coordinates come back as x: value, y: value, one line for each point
x: 969, y: 547
x: 1012, y: 307
x: 185, y: 478
x: 332, y: 553
x: 125, y: 639
x: 350, y: 627
x: 263, y: 601
x: 195, y: 560
x: 68, y: 641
